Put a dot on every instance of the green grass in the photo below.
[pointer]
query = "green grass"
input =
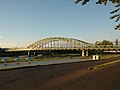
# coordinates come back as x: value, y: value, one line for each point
x: 108, y: 56
x: 12, y: 59
x: 103, y: 65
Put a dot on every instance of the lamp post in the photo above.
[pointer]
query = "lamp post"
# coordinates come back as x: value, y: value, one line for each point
x: 5, y: 60
x: 29, y: 59
x: 17, y: 59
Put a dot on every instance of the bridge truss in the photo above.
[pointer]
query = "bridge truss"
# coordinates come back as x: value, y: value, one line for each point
x: 59, y: 42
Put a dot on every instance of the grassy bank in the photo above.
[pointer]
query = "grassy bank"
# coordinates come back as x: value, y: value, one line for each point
x: 108, y: 56
x: 61, y: 57
x: 103, y: 65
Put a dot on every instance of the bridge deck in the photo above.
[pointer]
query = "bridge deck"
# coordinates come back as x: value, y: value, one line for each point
x: 85, y: 48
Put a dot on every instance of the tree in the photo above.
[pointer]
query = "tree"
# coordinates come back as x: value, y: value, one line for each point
x: 115, y: 13
x: 104, y: 42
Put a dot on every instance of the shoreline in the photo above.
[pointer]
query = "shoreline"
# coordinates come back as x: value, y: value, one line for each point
x: 13, y: 65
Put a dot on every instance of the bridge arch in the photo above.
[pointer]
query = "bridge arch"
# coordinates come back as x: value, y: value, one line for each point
x: 59, y: 42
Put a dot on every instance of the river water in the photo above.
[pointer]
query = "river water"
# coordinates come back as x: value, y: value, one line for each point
x: 34, y: 63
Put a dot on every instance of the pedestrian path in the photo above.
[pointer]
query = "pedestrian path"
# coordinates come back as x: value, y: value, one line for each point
x: 36, y: 63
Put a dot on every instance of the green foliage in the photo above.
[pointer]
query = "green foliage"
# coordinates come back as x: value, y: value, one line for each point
x: 104, y: 42
x: 117, y: 5
x: 83, y: 1
x: 99, y: 1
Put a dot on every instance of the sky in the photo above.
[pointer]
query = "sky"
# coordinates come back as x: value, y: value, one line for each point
x: 23, y: 22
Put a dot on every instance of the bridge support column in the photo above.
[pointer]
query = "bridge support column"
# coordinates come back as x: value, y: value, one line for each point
x: 28, y: 53
x: 34, y: 53
x: 87, y: 53
x: 83, y: 53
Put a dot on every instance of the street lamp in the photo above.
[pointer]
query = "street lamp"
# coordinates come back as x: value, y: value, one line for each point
x: 5, y: 60
x: 29, y: 59
x: 17, y: 59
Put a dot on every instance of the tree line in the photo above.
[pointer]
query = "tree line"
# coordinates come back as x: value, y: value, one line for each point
x: 104, y: 42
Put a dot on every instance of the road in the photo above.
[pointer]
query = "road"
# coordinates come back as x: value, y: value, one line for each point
x: 69, y: 76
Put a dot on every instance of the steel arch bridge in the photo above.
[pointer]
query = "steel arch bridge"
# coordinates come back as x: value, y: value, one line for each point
x: 59, y: 42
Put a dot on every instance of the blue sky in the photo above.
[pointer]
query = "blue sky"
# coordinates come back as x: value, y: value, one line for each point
x: 25, y: 21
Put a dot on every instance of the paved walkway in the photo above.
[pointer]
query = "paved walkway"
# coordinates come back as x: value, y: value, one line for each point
x: 35, y: 63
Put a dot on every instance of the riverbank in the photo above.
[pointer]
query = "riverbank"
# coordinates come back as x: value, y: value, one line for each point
x: 69, y: 76
x: 23, y: 59
x: 51, y: 61
x: 14, y: 65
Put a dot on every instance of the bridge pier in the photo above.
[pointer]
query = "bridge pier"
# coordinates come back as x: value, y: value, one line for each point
x: 85, y: 53
x: 28, y: 53
x: 34, y: 53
